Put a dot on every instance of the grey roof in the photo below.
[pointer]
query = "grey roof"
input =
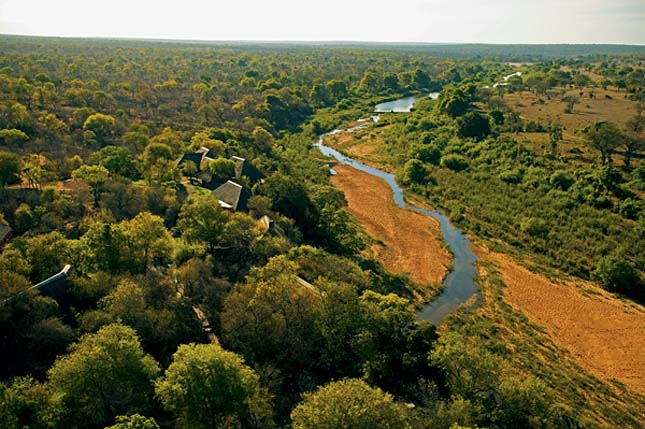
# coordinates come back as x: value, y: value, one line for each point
x: 54, y: 286
x: 4, y: 232
x: 232, y: 196
x: 244, y: 168
x: 195, y: 157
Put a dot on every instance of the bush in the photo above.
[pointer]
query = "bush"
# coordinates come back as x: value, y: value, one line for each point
x: 511, y: 176
x: 630, y: 209
x: 561, y: 180
x: 534, y: 227
x: 617, y: 274
x: 428, y: 153
x: 454, y: 162
x: 414, y: 172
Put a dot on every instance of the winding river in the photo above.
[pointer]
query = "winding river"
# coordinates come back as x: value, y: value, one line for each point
x: 459, y: 284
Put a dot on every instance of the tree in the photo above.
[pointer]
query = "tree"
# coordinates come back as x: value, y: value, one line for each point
x: 202, y: 220
x: 634, y: 142
x: 26, y: 403
x: 272, y: 318
x: 473, y: 124
x: 454, y: 102
x: 222, y: 169
x: 414, y: 172
x: 101, y: 125
x: 348, y: 404
x: 617, y: 274
x: 95, y: 176
x: 118, y: 160
x: 10, y: 168
x: 105, y: 375
x: 555, y: 137
x: 13, y: 136
x: 604, y: 137
x: 135, y: 421
x: 206, y: 386
x: 148, y: 239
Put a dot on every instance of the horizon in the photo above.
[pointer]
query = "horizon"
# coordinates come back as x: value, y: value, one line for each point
x: 309, y: 42
x: 574, y: 22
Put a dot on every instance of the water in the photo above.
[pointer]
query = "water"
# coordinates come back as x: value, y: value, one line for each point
x: 402, y: 105
x: 459, y: 284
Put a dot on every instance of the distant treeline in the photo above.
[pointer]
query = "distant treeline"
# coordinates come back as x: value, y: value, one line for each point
x: 500, y: 52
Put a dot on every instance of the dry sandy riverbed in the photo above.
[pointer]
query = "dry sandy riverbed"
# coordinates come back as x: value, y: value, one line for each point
x: 605, y: 334
x: 408, y: 242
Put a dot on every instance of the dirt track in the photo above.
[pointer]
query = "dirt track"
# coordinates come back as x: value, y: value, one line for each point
x: 604, y: 334
x: 410, y: 242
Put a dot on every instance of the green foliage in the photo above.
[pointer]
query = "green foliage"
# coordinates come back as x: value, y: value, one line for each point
x: 604, y: 137
x: 105, y: 375
x: 454, y: 162
x: 26, y: 403
x: 414, y: 172
x: 13, y: 136
x: 348, y: 404
x: 10, y: 168
x: 135, y: 421
x: 222, y: 169
x: 208, y: 387
x: 202, y: 220
x: 617, y: 274
x: 473, y: 125
x: 101, y: 125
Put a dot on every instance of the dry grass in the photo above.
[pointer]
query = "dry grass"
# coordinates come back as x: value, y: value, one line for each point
x: 365, y: 145
x: 603, y: 333
x: 407, y: 242
x: 618, y: 109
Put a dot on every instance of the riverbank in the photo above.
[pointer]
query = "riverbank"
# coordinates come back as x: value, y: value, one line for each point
x: 406, y: 241
x: 604, y: 334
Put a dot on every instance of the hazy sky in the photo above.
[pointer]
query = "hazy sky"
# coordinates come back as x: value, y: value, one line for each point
x: 485, y: 21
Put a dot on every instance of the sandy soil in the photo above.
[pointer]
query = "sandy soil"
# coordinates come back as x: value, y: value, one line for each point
x: 603, y: 333
x: 410, y: 241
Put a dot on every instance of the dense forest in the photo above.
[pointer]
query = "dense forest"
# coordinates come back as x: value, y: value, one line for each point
x: 213, y: 277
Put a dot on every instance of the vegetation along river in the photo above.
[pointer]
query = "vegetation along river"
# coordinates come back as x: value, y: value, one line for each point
x: 459, y: 284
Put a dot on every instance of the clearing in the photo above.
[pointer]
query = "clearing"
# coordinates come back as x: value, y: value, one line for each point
x: 407, y: 242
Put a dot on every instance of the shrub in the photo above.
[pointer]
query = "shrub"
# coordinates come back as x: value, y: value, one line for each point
x: 454, y: 162
x: 615, y: 273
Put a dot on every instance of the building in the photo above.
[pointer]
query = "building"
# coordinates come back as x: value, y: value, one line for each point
x: 232, y: 196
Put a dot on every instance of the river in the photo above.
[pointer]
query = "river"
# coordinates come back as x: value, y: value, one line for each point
x: 459, y: 284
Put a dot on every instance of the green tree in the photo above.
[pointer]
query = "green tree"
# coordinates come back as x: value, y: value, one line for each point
x: 604, y: 137
x: 10, y: 168
x: 634, y: 142
x: 135, y: 421
x: 414, y: 172
x: 617, y: 274
x: 473, y: 124
x: 13, y: 136
x: 555, y: 137
x: 105, y: 375
x: 348, y: 404
x: 26, y: 403
x: 206, y: 386
x: 95, y: 176
x: 103, y: 126
x: 148, y: 239
x: 202, y: 220
x: 222, y: 169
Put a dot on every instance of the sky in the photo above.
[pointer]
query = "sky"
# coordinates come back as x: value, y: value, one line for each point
x: 437, y: 21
